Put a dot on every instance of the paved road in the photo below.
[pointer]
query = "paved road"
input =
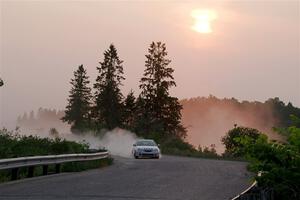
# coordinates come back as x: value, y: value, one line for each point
x: 169, y: 178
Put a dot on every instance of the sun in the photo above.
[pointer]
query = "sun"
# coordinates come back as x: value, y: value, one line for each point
x: 202, y: 20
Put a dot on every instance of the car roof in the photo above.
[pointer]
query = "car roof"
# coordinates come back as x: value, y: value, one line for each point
x: 144, y: 140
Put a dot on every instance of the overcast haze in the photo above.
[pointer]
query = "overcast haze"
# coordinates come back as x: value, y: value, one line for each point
x: 253, y: 52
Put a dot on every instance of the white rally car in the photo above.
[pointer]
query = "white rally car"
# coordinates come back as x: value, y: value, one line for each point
x: 145, y: 148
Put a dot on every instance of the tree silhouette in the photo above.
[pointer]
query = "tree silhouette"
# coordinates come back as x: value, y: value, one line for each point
x: 108, y: 98
x: 160, y: 109
x: 129, y: 111
x: 78, y: 109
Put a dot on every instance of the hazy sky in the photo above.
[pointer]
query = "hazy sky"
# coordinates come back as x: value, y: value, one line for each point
x: 253, y: 52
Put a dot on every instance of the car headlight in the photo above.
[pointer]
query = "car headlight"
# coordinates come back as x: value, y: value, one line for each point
x: 155, y: 150
x: 139, y: 149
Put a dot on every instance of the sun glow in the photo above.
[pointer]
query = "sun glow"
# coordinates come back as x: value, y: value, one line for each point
x: 203, y: 19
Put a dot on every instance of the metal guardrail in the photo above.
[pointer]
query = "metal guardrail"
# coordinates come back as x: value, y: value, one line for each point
x: 255, y: 193
x: 238, y: 197
x: 31, y: 162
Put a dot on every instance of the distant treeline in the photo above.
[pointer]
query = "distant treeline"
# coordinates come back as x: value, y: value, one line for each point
x: 43, y: 115
x: 272, y: 109
x: 42, y: 121
x: 207, y: 119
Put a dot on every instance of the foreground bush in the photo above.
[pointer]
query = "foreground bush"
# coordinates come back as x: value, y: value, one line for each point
x: 278, y: 162
x: 233, y: 148
x: 14, y: 145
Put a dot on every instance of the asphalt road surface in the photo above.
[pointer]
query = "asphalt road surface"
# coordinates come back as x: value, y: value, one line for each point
x: 168, y: 178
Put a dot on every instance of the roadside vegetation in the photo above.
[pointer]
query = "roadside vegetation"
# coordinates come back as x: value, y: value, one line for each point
x: 278, y: 162
x: 13, y: 145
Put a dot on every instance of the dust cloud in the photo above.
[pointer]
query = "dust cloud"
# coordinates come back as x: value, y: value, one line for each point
x: 118, y: 141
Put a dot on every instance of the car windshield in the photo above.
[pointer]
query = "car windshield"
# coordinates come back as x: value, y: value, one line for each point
x: 146, y: 143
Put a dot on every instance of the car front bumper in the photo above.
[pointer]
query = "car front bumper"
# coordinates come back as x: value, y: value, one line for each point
x: 148, y: 154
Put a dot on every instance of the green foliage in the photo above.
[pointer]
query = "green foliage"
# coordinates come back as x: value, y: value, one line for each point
x: 78, y: 109
x: 108, y: 108
x: 233, y: 147
x: 179, y: 147
x: 283, y: 112
x: 157, y: 111
x: 278, y: 162
x: 129, y: 111
x: 175, y: 143
x: 13, y: 145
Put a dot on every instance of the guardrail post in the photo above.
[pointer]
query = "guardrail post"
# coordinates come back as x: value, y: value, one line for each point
x: 57, y: 168
x: 14, y: 174
x: 30, y: 171
x: 45, y: 170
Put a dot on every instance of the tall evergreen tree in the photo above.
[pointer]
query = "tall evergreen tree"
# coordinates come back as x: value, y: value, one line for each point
x: 129, y: 111
x: 78, y: 109
x: 160, y: 109
x: 108, y: 98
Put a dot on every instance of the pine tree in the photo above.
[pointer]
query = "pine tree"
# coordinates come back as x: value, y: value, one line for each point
x: 78, y: 109
x: 142, y: 125
x: 1, y: 82
x: 129, y: 111
x: 108, y: 98
x: 160, y: 109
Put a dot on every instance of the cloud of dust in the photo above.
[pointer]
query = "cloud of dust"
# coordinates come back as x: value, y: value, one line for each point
x: 118, y: 141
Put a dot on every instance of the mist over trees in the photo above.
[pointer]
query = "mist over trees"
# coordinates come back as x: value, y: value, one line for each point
x: 41, y: 121
x: 208, y: 118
